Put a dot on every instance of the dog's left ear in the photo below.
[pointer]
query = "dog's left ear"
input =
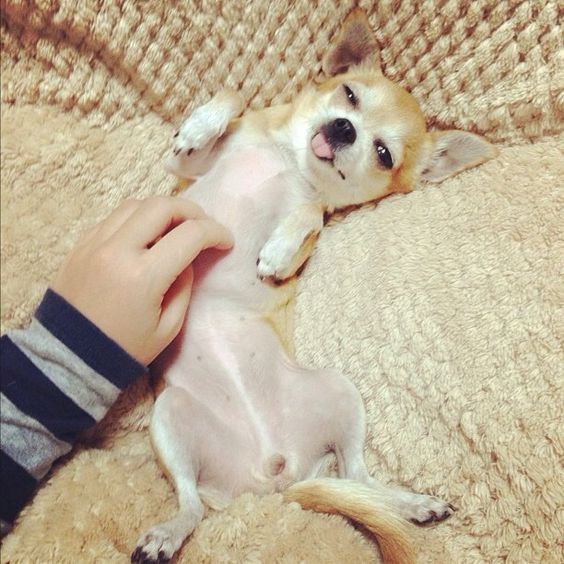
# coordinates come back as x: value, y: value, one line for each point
x: 454, y: 151
x: 355, y: 44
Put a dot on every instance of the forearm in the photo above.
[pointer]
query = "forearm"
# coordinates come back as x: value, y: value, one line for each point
x: 58, y: 378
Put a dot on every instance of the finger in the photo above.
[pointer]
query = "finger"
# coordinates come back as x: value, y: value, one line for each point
x: 88, y: 234
x: 103, y: 230
x: 178, y: 248
x: 174, y: 306
x: 155, y: 217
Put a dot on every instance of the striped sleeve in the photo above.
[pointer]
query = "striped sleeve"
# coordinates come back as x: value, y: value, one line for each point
x: 57, y: 378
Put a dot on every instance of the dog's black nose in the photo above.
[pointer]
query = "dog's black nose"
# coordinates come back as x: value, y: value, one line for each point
x: 341, y: 132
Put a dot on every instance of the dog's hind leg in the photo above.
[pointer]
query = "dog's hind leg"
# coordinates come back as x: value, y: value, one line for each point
x: 349, y: 446
x: 172, y: 425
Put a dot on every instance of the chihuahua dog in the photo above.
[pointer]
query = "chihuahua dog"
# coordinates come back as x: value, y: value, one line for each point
x: 237, y: 414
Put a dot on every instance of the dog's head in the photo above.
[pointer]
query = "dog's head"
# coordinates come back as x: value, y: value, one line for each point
x: 359, y: 137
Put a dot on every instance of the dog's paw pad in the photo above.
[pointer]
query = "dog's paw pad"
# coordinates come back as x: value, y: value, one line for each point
x: 157, y: 546
x: 428, y: 509
x: 139, y: 556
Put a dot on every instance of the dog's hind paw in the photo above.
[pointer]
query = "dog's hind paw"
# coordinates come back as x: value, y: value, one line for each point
x: 157, y: 546
x: 425, y: 509
x: 140, y: 557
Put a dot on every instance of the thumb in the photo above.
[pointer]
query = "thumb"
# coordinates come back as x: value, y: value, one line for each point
x: 174, y: 306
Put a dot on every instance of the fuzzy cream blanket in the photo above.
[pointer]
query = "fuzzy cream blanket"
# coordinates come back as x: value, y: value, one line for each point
x: 444, y: 306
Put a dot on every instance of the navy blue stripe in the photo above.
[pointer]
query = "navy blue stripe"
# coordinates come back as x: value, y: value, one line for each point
x: 34, y: 394
x: 87, y: 341
x: 16, y: 488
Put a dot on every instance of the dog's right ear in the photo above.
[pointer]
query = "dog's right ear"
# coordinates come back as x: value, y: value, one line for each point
x: 355, y: 44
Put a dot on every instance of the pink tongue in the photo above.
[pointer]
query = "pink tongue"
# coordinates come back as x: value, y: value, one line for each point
x: 321, y: 147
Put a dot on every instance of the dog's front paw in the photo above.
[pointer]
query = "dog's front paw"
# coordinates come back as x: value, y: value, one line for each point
x: 275, y: 260
x: 425, y: 509
x: 207, y: 123
x: 198, y: 130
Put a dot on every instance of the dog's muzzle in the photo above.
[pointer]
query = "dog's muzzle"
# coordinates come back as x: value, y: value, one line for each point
x: 340, y: 132
x: 331, y: 137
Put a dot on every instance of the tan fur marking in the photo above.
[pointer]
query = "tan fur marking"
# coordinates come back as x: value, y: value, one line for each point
x: 356, y: 501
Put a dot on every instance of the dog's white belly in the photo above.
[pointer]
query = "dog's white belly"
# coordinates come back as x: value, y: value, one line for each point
x: 230, y: 366
x: 226, y: 356
x: 231, y: 362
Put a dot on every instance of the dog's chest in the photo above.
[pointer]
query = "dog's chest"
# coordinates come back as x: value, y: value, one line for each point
x: 249, y: 189
x: 246, y: 189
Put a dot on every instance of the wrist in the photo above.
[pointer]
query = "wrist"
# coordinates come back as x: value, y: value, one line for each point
x: 87, y: 340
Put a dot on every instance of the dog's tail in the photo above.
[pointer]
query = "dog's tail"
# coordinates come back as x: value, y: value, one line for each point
x: 361, y: 504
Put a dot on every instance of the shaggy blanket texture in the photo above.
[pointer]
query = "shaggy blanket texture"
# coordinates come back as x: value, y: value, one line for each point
x: 444, y: 306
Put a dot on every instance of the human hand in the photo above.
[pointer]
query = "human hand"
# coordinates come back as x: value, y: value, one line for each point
x: 131, y: 274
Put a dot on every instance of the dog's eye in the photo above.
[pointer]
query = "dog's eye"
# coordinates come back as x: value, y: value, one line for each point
x: 350, y: 96
x: 384, y: 155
